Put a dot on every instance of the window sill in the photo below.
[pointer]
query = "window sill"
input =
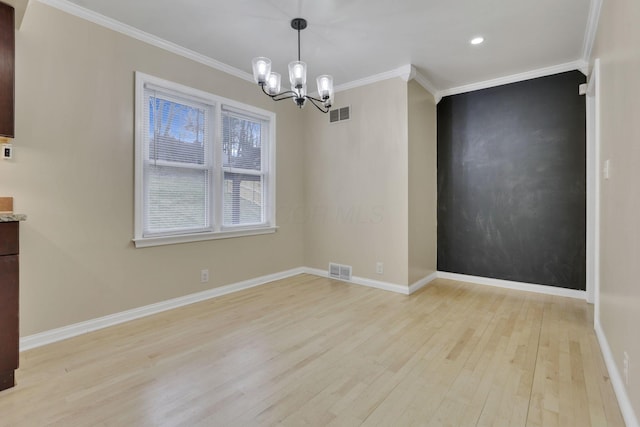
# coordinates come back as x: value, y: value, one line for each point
x: 144, y: 242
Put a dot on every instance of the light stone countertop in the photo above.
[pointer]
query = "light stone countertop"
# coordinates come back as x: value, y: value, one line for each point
x: 10, y: 217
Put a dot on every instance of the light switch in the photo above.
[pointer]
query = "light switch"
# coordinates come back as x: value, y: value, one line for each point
x: 7, y: 151
x: 607, y: 169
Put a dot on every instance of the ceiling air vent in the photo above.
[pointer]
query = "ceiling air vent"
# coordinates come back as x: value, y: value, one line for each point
x: 339, y: 114
x: 340, y: 272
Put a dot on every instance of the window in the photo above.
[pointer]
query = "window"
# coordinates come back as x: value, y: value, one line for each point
x: 204, y: 165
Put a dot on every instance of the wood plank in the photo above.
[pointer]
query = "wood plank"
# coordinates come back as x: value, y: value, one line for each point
x: 312, y: 351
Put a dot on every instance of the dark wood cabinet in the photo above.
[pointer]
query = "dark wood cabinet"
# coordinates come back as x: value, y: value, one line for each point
x: 7, y: 70
x: 9, y: 293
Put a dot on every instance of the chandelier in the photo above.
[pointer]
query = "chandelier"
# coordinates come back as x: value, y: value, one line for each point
x: 270, y: 82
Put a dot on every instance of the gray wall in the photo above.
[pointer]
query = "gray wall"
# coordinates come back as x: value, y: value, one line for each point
x: 512, y: 182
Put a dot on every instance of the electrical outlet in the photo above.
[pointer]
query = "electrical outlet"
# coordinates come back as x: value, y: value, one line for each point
x: 204, y: 275
x: 379, y: 268
x: 626, y: 368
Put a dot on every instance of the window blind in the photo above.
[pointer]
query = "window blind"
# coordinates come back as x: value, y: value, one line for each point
x: 243, y: 140
x: 177, y: 166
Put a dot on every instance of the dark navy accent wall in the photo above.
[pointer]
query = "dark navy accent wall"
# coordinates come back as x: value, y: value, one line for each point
x: 512, y: 182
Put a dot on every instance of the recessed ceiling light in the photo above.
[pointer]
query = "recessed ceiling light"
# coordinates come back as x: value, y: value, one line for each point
x: 477, y: 40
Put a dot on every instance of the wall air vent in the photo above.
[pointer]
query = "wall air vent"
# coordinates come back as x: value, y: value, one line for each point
x: 339, y: 114
x: 345, y: 113
x: 340, y: 272
x: 334, y: 116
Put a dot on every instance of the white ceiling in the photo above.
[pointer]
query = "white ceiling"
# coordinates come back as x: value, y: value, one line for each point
x: 355, y: 39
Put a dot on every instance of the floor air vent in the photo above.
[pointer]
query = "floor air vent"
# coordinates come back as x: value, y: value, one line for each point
x: 339, y: 114
x: 340, y: 272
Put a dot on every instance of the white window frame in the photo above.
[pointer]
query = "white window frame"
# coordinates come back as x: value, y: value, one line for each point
x: 217, y: 103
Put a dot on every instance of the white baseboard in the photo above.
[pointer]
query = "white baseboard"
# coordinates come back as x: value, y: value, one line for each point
x: 363, y: 281
x: 628, y: 413
x: 59, y: 334
x: 47, y: 337
x: 520, y: 286
x: 422, y: 282
x: 386, y: 286
x: 54, y: 335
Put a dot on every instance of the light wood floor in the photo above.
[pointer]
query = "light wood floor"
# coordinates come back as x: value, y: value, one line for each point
x: 311, y: 351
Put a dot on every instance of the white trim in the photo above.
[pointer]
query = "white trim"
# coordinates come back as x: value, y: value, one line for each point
x: 597, y: 195
x: 54, y: 335
x: 620, y: 390
x: 47, y: 337
x: 363, y: 281
x: 419, y: 284
x: 145, y: 242
x: 519, y: 286
x: 408, y: 72
x: 65, y: 332
x: 429, y: 87
x: 592, y: 28
x: 401, y: 72
x: 371, y: 283
x: 404, y: 71
x: 112, y: 24
x: 540, y: 72
x: 593, y: 189
x: 214, y: 105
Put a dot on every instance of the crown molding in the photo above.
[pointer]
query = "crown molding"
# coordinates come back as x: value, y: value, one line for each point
x: 428, y: 86
x: 592, y: 29
x: 403, y: 72
x: 407, y: 73
x: 112, y: 24
x: 580, y: 65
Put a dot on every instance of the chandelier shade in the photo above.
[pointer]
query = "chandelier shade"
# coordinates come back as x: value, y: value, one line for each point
x: 298, y: 73
x: 261, y: 69
x: 271, y: 82
x: 325, y: 86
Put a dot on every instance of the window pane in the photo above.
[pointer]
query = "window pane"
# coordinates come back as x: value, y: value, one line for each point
x: 243, y: 199
x: 176, y: 131
x: 241, y: 142
x: 176, y: 199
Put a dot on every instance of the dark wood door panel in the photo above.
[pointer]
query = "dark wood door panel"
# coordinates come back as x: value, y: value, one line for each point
x: 9, y: 238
